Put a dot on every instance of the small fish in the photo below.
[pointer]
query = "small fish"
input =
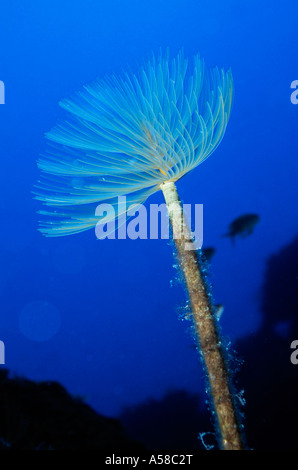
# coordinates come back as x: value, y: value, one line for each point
x: 242, y: 226
x: 208, y: 253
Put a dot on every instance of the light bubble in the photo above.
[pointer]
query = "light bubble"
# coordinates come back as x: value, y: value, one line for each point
x: 39, y: 320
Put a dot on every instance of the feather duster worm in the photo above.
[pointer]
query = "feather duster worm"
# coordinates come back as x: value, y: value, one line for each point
x: 132, y: 136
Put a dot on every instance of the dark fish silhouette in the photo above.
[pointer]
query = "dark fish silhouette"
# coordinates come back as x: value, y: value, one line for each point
x: 242, y: 226
x: 208, y: 252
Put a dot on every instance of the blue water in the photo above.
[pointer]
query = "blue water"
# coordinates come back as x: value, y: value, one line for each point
x: 104, y: 317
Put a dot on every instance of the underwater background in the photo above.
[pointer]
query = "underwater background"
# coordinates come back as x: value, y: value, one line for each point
x: 107, y: 319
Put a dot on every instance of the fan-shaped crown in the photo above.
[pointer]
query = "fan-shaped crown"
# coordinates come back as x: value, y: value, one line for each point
x: 126, y: 136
